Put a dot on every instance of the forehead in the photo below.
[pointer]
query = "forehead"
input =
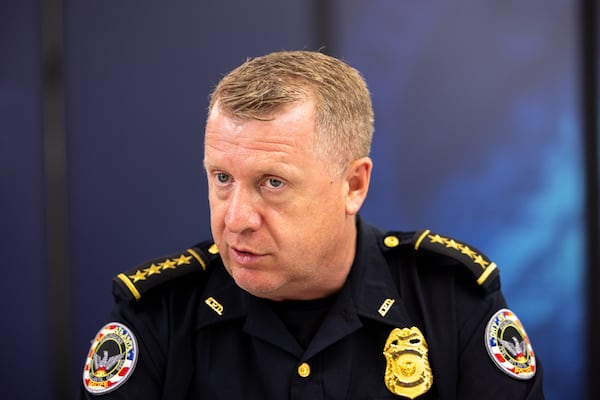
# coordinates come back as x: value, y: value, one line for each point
x: 292, y: 128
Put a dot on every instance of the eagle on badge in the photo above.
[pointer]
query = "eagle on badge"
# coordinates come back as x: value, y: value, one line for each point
x: 104, y: 364
x: 517, y: 349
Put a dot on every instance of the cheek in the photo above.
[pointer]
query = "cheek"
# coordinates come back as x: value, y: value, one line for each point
x: 318, y: 222
x: 216, y: 205
x: 326, y: 205
x: 216, y: 216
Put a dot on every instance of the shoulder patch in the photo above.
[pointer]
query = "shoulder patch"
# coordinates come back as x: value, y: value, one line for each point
x: 111, y: 359
x: 483, y: 269
x: 139, y: 280
x: 508, y: 345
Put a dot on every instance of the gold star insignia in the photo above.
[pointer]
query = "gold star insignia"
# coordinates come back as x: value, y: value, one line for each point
x: 436, y: 239
x: 168, y: 264
x: 452, y: 244
x: 152, y: 270
x: 466, y: 250
x: 479, y: 260
x: 139, y: 276
x: 183, y: 259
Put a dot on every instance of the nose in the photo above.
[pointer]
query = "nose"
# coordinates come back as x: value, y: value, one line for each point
x: 242, y: 211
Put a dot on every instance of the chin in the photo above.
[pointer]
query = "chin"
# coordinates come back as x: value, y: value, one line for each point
x: 255, y: 282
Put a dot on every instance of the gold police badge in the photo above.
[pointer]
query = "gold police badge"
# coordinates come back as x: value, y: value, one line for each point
x: 407, y: 372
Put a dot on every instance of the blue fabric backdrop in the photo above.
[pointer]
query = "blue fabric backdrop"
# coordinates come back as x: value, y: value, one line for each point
x: 478, y: 136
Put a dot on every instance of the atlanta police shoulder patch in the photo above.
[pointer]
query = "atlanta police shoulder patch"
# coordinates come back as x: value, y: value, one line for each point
x: 111, y: 359
x: 508, y: 345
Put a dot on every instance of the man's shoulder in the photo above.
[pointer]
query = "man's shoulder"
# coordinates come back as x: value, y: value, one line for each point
x: 154, y: 273
x: 439, y: 249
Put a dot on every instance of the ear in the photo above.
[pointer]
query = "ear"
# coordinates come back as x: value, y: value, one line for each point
x: 358, y: 176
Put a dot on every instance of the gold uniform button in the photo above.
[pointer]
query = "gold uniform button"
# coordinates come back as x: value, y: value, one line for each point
x: 304, y: 370
x: 391, y: 241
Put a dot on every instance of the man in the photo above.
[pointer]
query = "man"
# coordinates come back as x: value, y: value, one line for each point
x: 297, y: 297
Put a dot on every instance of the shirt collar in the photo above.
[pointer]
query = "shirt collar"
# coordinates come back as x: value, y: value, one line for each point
x: 370, y: 287
x: 373, y: 287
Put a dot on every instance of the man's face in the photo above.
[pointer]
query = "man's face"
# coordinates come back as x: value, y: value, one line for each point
x: 279, y: 214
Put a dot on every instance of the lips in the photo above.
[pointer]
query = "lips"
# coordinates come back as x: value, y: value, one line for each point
x: 244, y: 257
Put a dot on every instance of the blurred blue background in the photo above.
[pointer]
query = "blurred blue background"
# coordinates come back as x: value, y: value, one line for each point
x: 479, y: 135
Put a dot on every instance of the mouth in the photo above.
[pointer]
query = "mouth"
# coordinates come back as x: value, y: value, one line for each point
x: 244, y: 257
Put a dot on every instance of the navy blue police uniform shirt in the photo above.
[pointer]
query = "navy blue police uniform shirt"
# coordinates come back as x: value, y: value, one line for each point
x: 420, y: 316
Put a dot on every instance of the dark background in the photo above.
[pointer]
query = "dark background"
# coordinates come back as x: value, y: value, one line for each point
x: 486, y: 129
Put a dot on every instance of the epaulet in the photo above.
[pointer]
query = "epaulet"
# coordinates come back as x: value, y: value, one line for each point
x: 132, y: 285
x: 425, y: 241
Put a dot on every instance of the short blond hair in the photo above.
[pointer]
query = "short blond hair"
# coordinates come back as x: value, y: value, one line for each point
x: 261, y: 86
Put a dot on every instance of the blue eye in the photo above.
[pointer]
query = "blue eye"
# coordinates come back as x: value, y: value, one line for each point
x: 222, y: 177
x: 274, y: 183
